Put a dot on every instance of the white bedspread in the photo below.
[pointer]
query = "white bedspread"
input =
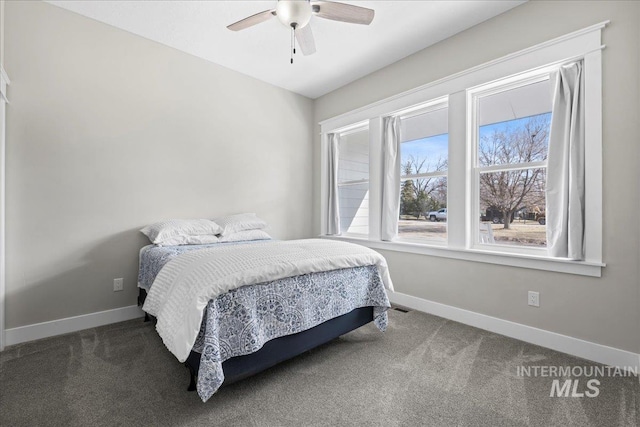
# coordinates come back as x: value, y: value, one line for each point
x: 185, y: 285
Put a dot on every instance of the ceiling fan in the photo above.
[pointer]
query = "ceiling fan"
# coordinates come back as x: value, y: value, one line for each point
x: 295, y: 14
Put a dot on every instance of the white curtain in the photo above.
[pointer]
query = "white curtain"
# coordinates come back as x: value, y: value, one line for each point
x: 390, y: 177
x: 333, y: 210
x: 565, y: 171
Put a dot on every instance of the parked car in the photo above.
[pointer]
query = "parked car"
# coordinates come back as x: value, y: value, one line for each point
x: 532, y: 214
x: 494, y: 215
x: 439, y: 215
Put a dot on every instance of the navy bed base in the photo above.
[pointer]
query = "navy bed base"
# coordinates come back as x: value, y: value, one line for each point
x: 284, y: 348
x: 279, y: 349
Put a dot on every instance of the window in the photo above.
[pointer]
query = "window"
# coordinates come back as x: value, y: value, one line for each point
x: 473, y: 162
x: 353, y: 181
x: 512, y: 124
x: 424, y: 153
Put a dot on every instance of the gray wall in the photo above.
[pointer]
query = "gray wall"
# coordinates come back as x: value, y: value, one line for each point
x: 604, y: 310
x: 107, y: 132
x: 2, y: 3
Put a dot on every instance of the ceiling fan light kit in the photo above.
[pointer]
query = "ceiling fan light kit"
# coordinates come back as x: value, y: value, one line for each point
x: 295, y: 14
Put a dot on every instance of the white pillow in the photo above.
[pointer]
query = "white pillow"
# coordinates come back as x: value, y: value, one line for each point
x: 190, y: 240
x: 160, y: 232
x: 245, y: 235
x: 240, y: 222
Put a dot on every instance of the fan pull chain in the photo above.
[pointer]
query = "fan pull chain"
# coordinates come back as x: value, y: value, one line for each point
x: 293, y: 42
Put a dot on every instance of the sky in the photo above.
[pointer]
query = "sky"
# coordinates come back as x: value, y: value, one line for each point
x: 437, y: 146
x: 487, y: 130
x: 433, y: 147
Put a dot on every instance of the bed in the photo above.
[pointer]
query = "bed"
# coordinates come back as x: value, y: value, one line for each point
x: 231, y: 310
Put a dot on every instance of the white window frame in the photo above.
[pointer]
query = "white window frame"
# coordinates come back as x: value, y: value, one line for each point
x: 425, y: 108
x: 583, y: 44
x: 473, y: 96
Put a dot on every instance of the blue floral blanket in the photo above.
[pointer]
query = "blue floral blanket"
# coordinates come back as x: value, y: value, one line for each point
x: 241, y: 321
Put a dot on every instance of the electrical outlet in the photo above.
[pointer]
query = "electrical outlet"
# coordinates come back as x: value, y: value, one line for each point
x: 118, y: 284
x: 534, y: 299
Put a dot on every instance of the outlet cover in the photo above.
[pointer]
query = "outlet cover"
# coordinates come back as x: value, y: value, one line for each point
x: 534, y: 299
x: 118, y: 284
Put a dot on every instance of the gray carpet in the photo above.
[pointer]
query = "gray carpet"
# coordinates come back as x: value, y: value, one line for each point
x: 423, y: 371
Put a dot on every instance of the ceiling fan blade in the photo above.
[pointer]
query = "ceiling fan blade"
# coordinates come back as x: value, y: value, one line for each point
x: 343, y: 12
x: 252, y: 20
x: 304, y: 36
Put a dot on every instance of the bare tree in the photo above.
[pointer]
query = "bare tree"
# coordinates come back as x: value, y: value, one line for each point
x: 419, y: 195
x: 407, y: 193
x: 510, y: 191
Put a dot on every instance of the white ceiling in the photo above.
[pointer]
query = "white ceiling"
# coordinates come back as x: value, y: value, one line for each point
x: 345, y: 52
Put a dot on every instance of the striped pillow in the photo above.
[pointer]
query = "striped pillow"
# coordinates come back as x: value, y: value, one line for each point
x: 245, y: 235
x: 240, y: 222
x: 169, y: 230
x: 190, y: 240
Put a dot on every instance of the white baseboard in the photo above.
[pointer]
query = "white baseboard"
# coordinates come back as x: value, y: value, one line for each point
x: 71, y: 324
x: 563, y: 343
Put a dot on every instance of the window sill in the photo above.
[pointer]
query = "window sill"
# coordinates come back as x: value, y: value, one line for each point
x: 582, y: 268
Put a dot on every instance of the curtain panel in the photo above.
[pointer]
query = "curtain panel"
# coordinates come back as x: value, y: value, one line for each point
x: 566, y: 166
x: 390, y: 178
x: 333, y: 208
